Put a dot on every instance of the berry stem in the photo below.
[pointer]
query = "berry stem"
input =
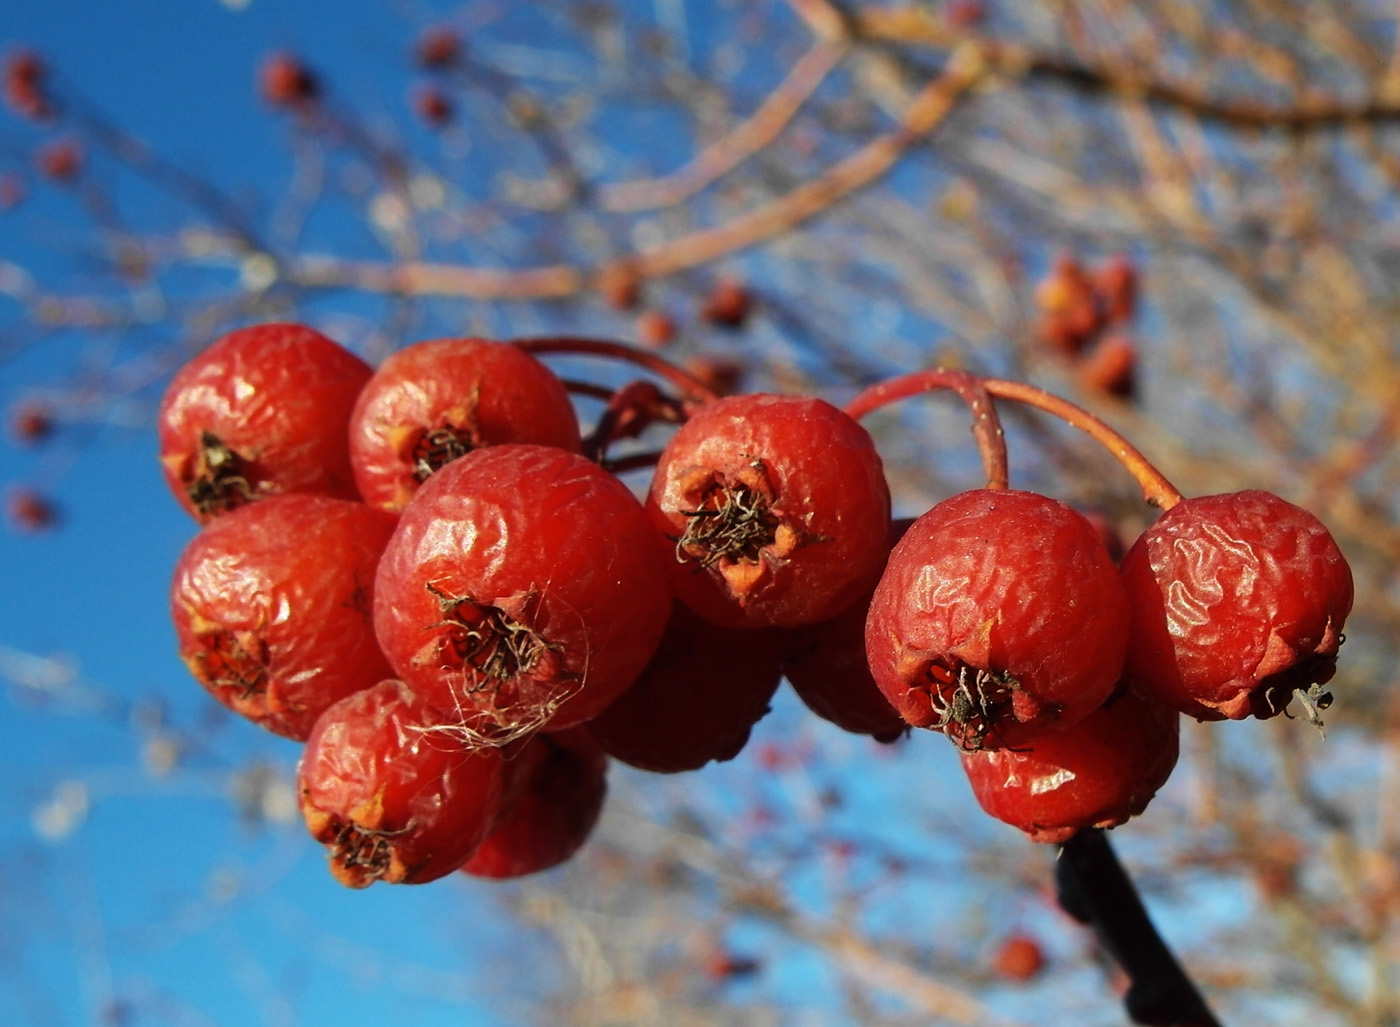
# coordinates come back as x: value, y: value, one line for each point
x: 1156, y: 489
x: 1096, y: 890
x: 695, y: 391
x: 986, y: 425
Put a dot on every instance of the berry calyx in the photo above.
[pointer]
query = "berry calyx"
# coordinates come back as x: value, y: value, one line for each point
x: 272, y: 607
x: 263, y: 410
x: 522, y: 587
x: 434, y: 401
x: 999, y: 615
x: 393, y: 797
x: 776, y: 507
x: 1098, y: 773
x: 1238, y: 605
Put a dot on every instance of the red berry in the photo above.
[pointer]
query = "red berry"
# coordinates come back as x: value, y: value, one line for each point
x: 1110, y: 366
x: 25, y: 77
x: 825, y: 664
x: 1000, y: 614
x: 272, y: 607
x: 721, y: 375
x: 1238, y: 602
x: 434, y: 401
x: 60, y: 160
x: 1071, y: 314
x: 263, y: 410
x: 439, y: 48
x: 1098, y: 773
x: 523, y: 586
x: 30, y: 510
x: 433, y: 106
x: 620, y: 286
x: 31, y: 423
x: 560, y: 781
x: 728, y: 304
x: 286, y: 82
x: 697, y: 699
x: 776, y: 506
x: 1019, y: 958
x: 393, y: 797
x: 1116, y: 283
x: 655, y: 329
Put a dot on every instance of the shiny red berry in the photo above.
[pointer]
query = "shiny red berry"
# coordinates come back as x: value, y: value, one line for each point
x: 1000, y: 614
x: 272, y: 606
x: 559, y: 781
x: 776, y: 509
x: 1238, y: 602
x: 434, y: 401
x: 523, y: 587
x: 263, y: 410
x: 391, y: 796
x: 697, y: 699
x: 1098, y: 773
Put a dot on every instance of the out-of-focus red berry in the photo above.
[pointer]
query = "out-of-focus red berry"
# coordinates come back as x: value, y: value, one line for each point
x: 31, y: 423
x: 1098, y: 773
x: 1110, y: 366
x: 1116, y: 282
x: 24, y: 75
x: 433, y: 106
x: 1238, y: 602
x: 11, y: 192
x: 286, y: 82
x: 438, y: 47
x: 721, y: 375
x: 60, y: 160
x: 1019, y: 958
x: 728, y: 304
x: 656, y: 329
x: 620, y: 286
x: 1070, y: 312
x: 30, y: 510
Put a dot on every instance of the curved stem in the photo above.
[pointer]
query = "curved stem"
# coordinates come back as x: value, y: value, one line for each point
x: 1156, y: 489
x: 695, y: 391
x: 1096, y: 890
x: 986, y: 425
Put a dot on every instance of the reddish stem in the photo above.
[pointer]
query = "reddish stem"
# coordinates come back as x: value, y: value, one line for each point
x: 1156, y: 489
x: 696, y: 392
x: 986, y: 425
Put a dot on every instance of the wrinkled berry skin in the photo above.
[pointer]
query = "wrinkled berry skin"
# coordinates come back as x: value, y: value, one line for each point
x: 1237, y: 600
x: 435, y: 400
x: 698, y: 698
x: 1098, y: 773
x: 275, y: 400
x: 272, y: 607
x: 558, y: 783
x: 523, y: 587
x: 392, y: 797
x: 776, y: 508
x: 1000, y: 614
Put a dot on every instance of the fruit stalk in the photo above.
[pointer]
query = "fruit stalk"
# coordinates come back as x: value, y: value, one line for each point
x: 1095, y: 889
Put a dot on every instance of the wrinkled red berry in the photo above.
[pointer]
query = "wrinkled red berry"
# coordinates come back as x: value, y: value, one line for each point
x: 1098, y: 773
x: 697, y: 699
x: 1238, y: 602
x: 263, y: 410
x: 776, y: 508
x: 523, y: 586
x: 434, y: 401
x: 1000, y: 614
x: 559, y: 781
x: 392, y: 797
x: 272, y: 607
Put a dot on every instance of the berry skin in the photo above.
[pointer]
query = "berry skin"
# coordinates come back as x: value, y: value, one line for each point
x: 1099, y: 773
x: 393, y: 797
x: 560, y: 781
x: 434, y: 401
x: 272, y: 607
x: 1238, y: 601
x: 697, y: 700
x: 1019, y: 958
x: 523, y: 586
x: 1000, y: 615
x: 777, y: 509
x: 261, y: 411
x: 825, y: 664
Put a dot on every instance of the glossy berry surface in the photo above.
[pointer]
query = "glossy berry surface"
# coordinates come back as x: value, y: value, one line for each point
x: 698, y: 698
x: 391, y: 796
x: 434, y: 401
x: 272, y: 606
x: 1000, y: 614
x: 523, y: 586
x: 560, y: 786
x: 263, y: 410
x: 1238, y: 601
x: 776, y: 508
x: 1099, y: 773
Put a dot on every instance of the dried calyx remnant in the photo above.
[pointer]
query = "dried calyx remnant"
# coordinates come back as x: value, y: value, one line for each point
x: 362, y: 855
x: 437, y: 447
x: 225, y: 661
x: 970, y: 703
x: 219, y: 480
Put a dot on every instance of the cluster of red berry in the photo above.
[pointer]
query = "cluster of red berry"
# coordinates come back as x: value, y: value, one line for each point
x: 430, y: 577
